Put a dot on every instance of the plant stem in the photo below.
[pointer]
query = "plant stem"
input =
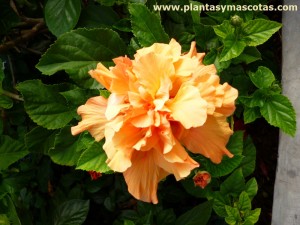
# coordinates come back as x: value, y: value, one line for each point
x: 11, y: 95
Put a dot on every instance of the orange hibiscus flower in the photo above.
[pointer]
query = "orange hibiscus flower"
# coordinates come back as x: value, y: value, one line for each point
x: 161, y: 103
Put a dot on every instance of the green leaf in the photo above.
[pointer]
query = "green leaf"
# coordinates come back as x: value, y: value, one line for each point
x: 166, y: 217
x: 93, y: 158
x: 258, y: 31
x: 198, y: 215
x: 262, y: 78
x: 5, y: 102
x: 205, y: 36
x: 128, y: 222
x: 12, y: 212
x: 252, y: 216
x: 123, y: 25
x: 257, y: 99
x: 44, y: 105
x: 78, y: 96
x: 195, y: 14
x: 4, y: 220
x: 244, y: 202
x: 104, y: 93
x: 234, y: 184
x: 242, y: 83
x: 40, y: 140
x: 72, y: 212
x: 62, y: 15
x: 224, y: 29
x: 251, y: 188
x: 220, y: 201
x: 279, y: 112
x: 82, y: 78
x: 233, y: 217
x: 248, y: 163
x: 235, y: 143
x: 233, y: 47
x: 10, y: 151
x: 249, y: 55
x: 149, y: 29
x: 80, y: 50
x: 251, y: 114
x: 107, y: 2
x: 67, y: 148
x: 213, y: 57
x: 235, y: 146
x: 89, y: 17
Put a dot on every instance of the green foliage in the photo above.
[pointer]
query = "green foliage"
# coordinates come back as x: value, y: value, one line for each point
x: 256, y: 32
x: 45, y: 105
x: 197, y: 215
x: 93, y: 158
x: 10, y: 151
x: 267, y: 101
x: 279, y: 112
x: 235, y: 145
x: 148, y: 30
x: 44, y: 169
x: 62, y: 15
x: 72, y: 212
x: 92, y: 46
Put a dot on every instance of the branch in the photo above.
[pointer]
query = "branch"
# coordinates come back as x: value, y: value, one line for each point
x: 12, y: 95
x: 26, y: 35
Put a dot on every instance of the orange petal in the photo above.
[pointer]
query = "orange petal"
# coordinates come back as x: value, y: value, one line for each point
x: 121, y: 160
x: 185, y: 66
x: 93, y: 117
x: 207, y: 85
x: 188, y: 107
x: 193, y: 52
x: 229, y: 96
x: 115, y: 104
x: 151, y: 69
x: 122, y: 72
x: 210, y: 139
x: 162, y: 94
x: 143, y: 176
x: 177, y: 161
x: 142, y: 118
x: 102, y: 75
x: 128, y: 137
x: 171, y: 50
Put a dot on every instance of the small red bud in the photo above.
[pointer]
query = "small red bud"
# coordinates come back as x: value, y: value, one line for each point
x: 95, y: 175
x: 202, y: 179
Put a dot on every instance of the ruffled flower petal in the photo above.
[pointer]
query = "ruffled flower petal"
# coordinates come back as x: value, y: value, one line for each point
x: 93, y: 118
x: 102, y: 75
x: 162, y: 102
x: 188, y: 107
x: 143, y: 176
x: 171, y: 50
x: 230, y: 94
x: 177, y: 161
x: 210, y: 139
x: 151, y: 70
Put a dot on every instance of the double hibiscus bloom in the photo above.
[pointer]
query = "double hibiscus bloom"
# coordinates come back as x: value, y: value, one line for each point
x: 161, y: 103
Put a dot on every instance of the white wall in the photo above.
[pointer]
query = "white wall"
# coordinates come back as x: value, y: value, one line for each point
x: 286, y: 205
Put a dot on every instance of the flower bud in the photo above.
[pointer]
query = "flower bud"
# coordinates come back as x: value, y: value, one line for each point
x: 236, y: 20
x: 202, y: 179
x: 95, y: 175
